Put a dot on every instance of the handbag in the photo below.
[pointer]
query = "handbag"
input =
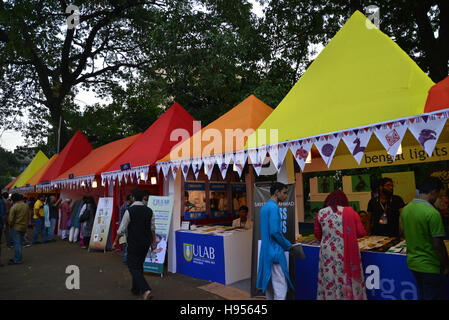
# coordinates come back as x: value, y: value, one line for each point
x: 297, y: 251
x: 69, y: 223
x: 122, y: 239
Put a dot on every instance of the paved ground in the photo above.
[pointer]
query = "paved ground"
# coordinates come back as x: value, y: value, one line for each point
x: 102, y: 276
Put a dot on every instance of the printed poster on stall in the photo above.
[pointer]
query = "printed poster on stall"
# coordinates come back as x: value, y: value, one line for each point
x: 102, y: 224
x: 325, y: 184
x: 218, y: 200
x: 238, y: 198
x: 162, y: 208
x: 361, y: 183
x: 194, y: 200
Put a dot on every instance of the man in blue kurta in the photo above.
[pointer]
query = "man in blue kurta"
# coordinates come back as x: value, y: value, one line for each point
x: 272, y: 275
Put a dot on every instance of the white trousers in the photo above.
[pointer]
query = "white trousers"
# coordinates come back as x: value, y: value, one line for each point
x: 73, y: 236
x: 277, y: 286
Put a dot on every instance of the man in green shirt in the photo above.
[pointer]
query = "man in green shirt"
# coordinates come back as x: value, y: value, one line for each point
x: 423, y: 227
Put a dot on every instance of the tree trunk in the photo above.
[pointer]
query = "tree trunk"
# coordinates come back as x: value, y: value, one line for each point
x: 56, y: 115
x: 438, y: 65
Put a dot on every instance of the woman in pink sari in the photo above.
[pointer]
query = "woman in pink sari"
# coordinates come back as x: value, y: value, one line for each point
x: 338, y: 226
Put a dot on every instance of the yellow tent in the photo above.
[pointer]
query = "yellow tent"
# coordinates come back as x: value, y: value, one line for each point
x: 39, y: 160
x: 361, y: 78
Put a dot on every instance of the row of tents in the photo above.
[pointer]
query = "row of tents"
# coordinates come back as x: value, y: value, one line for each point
x: 361, y: 84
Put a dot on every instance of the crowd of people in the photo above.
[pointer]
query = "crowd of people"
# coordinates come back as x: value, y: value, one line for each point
x: 338, y: 226
x: 19, y: 214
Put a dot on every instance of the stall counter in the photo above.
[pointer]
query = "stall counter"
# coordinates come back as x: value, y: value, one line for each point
x: 387, y: 276
x: 215, y: 254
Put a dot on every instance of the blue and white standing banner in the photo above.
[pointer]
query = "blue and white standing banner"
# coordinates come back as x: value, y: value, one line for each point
x: 386, y: 275
x: 162, y: 208
x: 200, y: 256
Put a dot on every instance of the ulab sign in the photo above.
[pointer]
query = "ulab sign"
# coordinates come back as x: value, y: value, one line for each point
x: 199, y: 254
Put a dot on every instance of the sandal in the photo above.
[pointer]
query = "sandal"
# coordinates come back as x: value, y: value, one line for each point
x: 147, y: 297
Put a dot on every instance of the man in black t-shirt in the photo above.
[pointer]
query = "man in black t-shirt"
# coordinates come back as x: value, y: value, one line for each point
x: 385, y: 210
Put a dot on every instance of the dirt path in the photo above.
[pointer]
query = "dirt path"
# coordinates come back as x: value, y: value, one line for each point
x: 102, y: 276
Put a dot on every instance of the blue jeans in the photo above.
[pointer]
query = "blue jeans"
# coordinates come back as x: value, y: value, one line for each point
x: 39, y: 227
x: 51, y: 229
x: 125, y: 251
x: 17, y: 239
x: 8, y: 236
x: 431, y: 286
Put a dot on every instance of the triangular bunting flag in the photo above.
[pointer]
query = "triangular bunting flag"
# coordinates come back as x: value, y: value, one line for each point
x: 391, y: 138
x: 185, y: 165
x: 277, y: 154
x: 240, y: 160
x: 357, y: 143
x: 253, y: 155
x: 301, y: 151
x: 229, y: 158
x: 196, y: 166
x: 222, y: 165
x: 175, y: 168
x: 327, y: 148
x: 165, y: 167
x: 209, y: 162
x: 427, y: 133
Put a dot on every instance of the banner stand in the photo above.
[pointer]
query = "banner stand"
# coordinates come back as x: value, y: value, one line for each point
x: 162, y: 208
x: 101, y: 230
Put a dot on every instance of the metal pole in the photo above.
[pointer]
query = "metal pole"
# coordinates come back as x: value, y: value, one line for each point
x: 59, y: 134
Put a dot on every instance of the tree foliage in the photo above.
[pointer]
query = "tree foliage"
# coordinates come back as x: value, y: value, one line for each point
x: 208, y: 55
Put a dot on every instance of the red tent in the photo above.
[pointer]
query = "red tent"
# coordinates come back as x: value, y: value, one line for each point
x: 91, y: 166
x: 151, y: 146
x: 76, y: 149
x: 438, y: 97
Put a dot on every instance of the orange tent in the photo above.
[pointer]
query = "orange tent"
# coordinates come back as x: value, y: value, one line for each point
x: 218, y: 141
x: 244, y: 118
x: 91, y: 166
